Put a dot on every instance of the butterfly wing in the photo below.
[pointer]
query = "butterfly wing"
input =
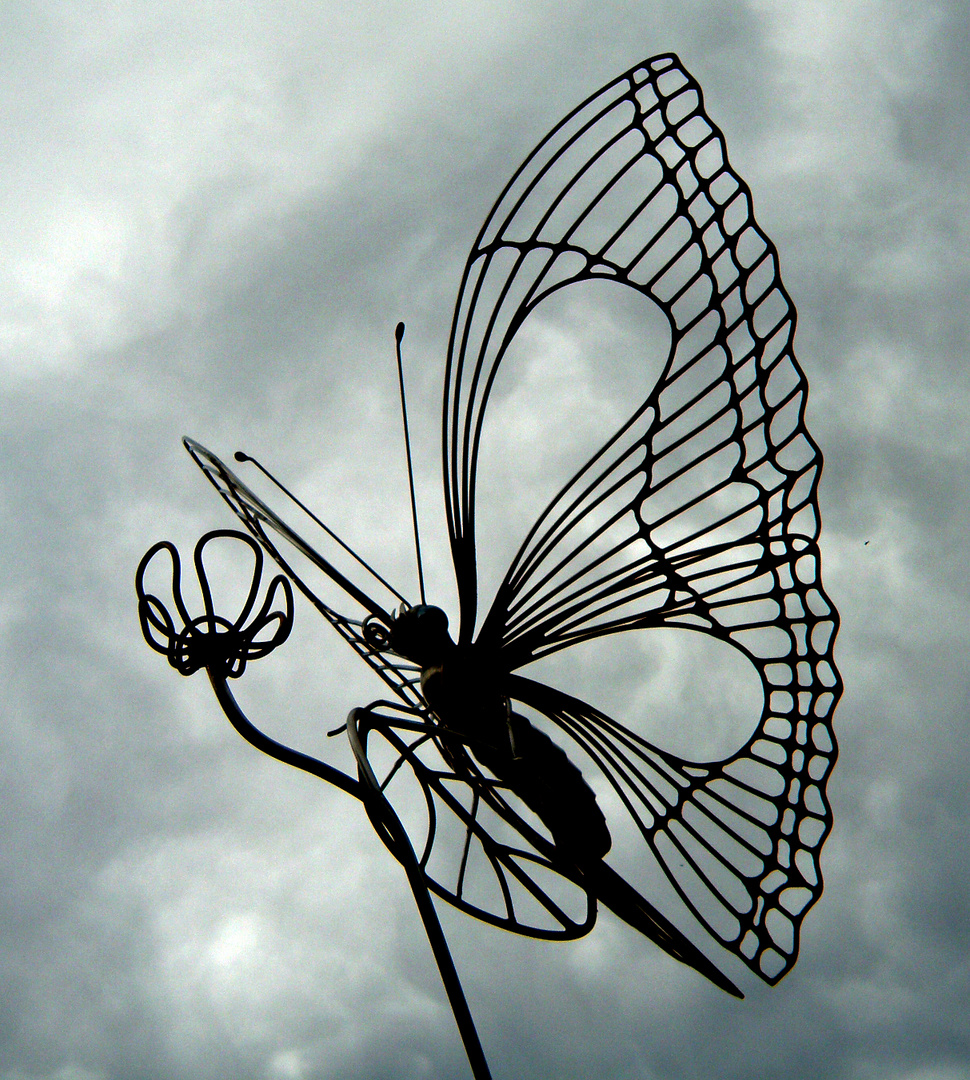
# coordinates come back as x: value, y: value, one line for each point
x: 478, y: 845
x: 738, y: 839
x: 700, y: 512
x: 268, y: 528
x: 634, y: 187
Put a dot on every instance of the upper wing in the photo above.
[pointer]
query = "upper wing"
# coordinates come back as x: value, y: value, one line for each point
x: 706, y: 496
x: 738, y: 839
x: 403, y: 677
x: 699, y: 512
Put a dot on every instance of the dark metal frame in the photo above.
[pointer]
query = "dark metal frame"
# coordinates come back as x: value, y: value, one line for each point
x: 699, y: 513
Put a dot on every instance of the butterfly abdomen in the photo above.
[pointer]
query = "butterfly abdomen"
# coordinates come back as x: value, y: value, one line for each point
x: 551, y: 785
x: 468, y: 701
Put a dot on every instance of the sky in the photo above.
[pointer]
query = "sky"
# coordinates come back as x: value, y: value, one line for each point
x: 213, y: 217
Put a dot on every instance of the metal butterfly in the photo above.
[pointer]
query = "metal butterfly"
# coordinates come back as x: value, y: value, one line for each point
x: 698, y: 513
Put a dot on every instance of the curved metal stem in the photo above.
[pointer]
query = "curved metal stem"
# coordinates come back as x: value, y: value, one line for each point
x: 383, y: 816
x: 288, y: 756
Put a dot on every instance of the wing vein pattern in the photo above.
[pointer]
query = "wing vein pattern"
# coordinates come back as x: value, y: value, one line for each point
x: 700, y: 512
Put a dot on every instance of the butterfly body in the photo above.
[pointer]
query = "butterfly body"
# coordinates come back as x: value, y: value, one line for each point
x: 465, y: 690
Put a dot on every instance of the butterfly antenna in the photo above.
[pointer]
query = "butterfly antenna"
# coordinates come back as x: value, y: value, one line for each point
x: 240, y: 456
x: 398, y: 337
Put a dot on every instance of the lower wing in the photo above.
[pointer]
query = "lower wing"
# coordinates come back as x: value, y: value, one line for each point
x: 483, y: 851
x: 738, y: 839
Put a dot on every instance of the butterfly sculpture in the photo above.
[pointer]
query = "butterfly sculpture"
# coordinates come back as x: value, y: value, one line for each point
x: 698, y: 513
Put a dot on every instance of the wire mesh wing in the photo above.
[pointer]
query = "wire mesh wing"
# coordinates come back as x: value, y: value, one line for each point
x: 482, y: 850
x: 738, y: 839
x: 700, y: 512
x: 400, y: 675
x: 707, y: 494
x: 479, y: 846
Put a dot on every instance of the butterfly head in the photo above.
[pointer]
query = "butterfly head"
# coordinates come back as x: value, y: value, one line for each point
x: 420, y: 634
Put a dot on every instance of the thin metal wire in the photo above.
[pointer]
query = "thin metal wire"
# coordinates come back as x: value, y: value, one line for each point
x: 398, y: 338
x: 242, y: 457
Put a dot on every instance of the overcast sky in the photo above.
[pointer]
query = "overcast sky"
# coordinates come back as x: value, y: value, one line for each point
x: 213, y: 216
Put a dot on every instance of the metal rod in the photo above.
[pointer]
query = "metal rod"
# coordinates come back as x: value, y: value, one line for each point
x: 244, y: 457
x: 286, y: 754
x: 383, y: 816
x: 437, y: 941
x: 398, y: 338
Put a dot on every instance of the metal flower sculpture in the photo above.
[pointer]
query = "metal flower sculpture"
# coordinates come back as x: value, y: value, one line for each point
x: 211, y: 641
x: 699, y: 512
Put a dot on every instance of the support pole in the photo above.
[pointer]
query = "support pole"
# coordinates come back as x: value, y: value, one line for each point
x: 385, y: 819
